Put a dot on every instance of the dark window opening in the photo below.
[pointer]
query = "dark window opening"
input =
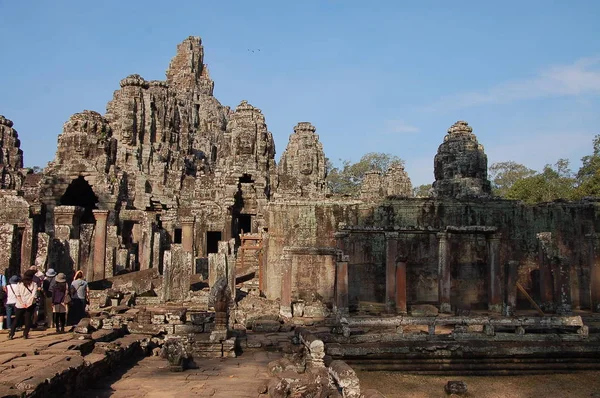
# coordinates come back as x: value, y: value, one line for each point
x: 127, y: 233
x: 244, y: 223
x: 177, y: 236
x: 246, y: 178
x: 80, y: 193
x: 148, y: 187
x: 212, y: 241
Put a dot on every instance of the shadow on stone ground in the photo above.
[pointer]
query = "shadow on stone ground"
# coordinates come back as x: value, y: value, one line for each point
x: 219, y: 377
x: 398, y: 385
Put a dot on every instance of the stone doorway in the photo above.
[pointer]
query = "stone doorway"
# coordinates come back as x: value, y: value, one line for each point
x: 212, y: 241
x: 80, y: 193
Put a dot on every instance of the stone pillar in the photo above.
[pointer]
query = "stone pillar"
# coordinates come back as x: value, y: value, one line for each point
x: 262, y: 271
x: 594, y: 273
x: 7, y: 243
x: 341, y: 286
x: 187, y: 234
x: 512, y: 276
x: 401, y: 286
x: 546, y: 282
x: 444, y: 278
x: 391, y: 252
x: 99, y: 244
x: 67, y: 217
x: 286, y: 285
x: 563, y: 304
x: 27, y: 247
x: 494, y: 274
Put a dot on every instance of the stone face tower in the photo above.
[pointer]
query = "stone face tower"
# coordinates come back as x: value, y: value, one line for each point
x: 302, y: 166
x: 397, y: 182
x: 11, y: 156
x: 460, y: 166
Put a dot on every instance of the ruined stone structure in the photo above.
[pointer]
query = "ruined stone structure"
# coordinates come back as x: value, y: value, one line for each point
x: 171, y: 180
x: 460, y: 166
x: 302, y: 166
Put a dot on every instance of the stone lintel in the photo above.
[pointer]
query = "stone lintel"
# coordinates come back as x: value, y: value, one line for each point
x: 188, y: 220
x: 471, y: 229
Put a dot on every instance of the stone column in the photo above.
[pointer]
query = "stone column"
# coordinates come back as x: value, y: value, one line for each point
x: 262, y: 264
x: 286, y: 285
x: 444, y: 278
x: 99, y: 269
x: 401, y: 286
x: 341, y: 286
x: 341, y: 241
x: 563, y: 304
x: 27, y: 248
x: 187, y: 234
x: 494, y: 280
x: 391, y: 252
x: 511, y: 288
x: 594, y: 273
x: 546, y: 282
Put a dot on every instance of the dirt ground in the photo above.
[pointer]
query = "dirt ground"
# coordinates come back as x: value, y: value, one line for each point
x: 400, y: 385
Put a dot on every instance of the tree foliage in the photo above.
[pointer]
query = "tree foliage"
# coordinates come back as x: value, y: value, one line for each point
x: 422, y: 191
x: 346, y: 179
x: 554, y: 182
x: 588, y: 176
x: 503, y: 175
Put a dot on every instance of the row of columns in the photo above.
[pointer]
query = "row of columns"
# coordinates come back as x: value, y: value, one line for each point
x: 494, y: 274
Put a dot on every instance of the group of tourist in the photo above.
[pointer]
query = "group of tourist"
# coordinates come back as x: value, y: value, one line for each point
x: 50, y: 293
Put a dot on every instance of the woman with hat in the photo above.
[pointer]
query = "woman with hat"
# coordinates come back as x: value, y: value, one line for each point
x: 48, y: 288
x: 79, y: 298
x: 60, y: 299
x: 11, y: 299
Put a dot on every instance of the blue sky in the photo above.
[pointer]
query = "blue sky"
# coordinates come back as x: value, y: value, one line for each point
x: 383, y: 76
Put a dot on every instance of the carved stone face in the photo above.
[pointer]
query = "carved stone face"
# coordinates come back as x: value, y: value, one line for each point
x: 305, y: 161
x: 245, y: 143
x: 127, y: 135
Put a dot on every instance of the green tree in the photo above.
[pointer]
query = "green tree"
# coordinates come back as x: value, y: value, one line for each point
x: 554, y: 182
x: 588, y: 176
x: 422, y: 191
x: 503, y: 175
x: 346, y: 179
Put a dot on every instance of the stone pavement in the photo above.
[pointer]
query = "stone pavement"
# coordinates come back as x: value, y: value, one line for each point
x: 218, y: 377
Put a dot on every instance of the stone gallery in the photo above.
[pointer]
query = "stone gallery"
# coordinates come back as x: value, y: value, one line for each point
x: 172, y: 200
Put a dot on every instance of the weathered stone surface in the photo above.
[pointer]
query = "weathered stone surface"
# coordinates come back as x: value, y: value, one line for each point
x: 302, y: 168
x: 345, y: 377
x: 11, y: 156
x: 460, y: 166
x: 456, y: 387
x: 424, y: 310
x: 178, y: 354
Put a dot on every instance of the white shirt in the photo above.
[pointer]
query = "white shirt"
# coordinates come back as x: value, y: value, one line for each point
x: 11, y: 297
x: 25, y: 295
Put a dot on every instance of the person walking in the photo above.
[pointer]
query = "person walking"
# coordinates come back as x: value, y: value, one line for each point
x: 3, y: 296
x: 26, y: 294
x: 48, y: 289
x: 79, y: 298
x: 11, y: 299
x: 60, y: 300
x: 38, y: 279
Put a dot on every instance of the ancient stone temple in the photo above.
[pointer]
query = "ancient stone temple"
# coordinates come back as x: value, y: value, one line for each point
x: 193, y: 237
x: 169, y: 182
